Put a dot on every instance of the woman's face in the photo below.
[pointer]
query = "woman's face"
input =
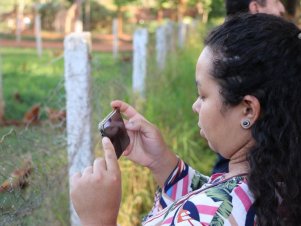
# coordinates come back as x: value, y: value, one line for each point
x: 219, y: 124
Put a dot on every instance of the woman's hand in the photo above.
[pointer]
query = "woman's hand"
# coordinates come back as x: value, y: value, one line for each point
x: 147, y: 146
x: 96, y: 193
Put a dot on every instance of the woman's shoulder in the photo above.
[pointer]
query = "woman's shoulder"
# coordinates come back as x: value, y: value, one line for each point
x: 231, y: 190
x: 218, y: 202
x: 222, y: 200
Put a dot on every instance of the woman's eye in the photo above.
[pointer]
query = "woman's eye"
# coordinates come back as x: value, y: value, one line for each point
x: 199, y: 96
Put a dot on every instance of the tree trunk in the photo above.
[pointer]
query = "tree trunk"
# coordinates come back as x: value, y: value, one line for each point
x: 70, y: 19
x: 180, y: 10
x: 79, y: 17
x: 160, y: 15
x: 87, y: 15
x: 120, y: 21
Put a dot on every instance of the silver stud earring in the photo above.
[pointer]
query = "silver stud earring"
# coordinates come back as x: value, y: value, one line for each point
x: 246, y: 124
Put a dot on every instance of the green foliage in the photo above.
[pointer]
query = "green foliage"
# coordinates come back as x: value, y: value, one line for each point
x: 120, y: 3
x: 100, y: 17
x: 217, y: 9
x: 48, y: 12
x: 165, y: 4
x: 206, y: 4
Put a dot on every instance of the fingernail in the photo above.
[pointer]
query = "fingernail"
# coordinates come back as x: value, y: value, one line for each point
x: 105, y: 140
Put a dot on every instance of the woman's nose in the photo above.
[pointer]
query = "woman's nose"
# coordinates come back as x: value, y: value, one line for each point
x: 196, y: 106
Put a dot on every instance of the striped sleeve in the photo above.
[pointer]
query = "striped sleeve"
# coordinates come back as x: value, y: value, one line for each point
x: 226, y: 202
x: 182, y: 180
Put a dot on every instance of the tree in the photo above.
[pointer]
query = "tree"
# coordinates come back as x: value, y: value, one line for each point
x: 100, y: 16
x: 291, y: 6
x: 293, y: 9
x: 120, y: 4
x: 217, y: 9
x: 204, y: 8
x: 161, y: 5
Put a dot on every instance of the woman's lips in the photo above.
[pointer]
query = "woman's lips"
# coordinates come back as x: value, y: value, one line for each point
x: 201, y: 131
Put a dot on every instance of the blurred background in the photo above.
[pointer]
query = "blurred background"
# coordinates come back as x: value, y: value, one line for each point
x: 33, y: 137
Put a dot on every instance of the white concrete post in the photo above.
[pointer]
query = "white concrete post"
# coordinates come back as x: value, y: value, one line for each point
x: 79, y: 110
x: 140, y: 57
x: 37, y: 29
x: 161, y: 46
x: 115, y: 38
x: 170, y: 36
x: 19, y: 20
x: 194, y: 25
x: 182, y: 34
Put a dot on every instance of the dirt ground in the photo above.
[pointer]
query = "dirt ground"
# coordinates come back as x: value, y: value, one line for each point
x: 102, y: 44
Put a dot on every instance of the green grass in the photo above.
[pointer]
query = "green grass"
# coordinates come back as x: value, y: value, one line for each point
x: 28, y: 80
x: 169, y: 97
x: 42, y: 81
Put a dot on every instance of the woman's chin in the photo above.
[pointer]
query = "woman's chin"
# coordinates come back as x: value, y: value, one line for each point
x: 202, y: 134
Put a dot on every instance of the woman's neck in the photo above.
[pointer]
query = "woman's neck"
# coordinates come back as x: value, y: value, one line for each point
x: 238, y: 163
x: 237, y: 168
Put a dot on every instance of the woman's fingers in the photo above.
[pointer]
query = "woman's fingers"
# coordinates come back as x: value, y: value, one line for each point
x: 88, y: 170
x: 75, y: 177
x: 125, y: 108
x: 109, y: 162
x: 99, y: 165
x: 139, y: 124
x: 110, y: 155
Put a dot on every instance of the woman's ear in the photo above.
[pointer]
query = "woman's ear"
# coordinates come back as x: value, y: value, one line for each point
x: 253, y: 7
x: 251, y: 108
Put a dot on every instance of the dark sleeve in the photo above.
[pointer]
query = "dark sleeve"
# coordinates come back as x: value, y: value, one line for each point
x: 221, y: 165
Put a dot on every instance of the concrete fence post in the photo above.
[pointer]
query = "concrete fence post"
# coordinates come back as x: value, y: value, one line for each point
x: 140, y: 59
x: 161, y: 46
x: 169, y: 27
x: 37, y: 29
x: 79, y: 109
x: 182, y: 33
x: 115, y: 38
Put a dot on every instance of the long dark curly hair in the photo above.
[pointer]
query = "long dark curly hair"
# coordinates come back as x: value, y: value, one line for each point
x: 260, y: 55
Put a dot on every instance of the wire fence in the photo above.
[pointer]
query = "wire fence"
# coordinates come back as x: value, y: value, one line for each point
x: 33, y: 155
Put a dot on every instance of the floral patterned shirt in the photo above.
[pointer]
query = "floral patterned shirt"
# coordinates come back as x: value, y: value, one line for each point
x: 190, y: 198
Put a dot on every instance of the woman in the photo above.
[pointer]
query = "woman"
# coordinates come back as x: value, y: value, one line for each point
x: 248, y: 79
